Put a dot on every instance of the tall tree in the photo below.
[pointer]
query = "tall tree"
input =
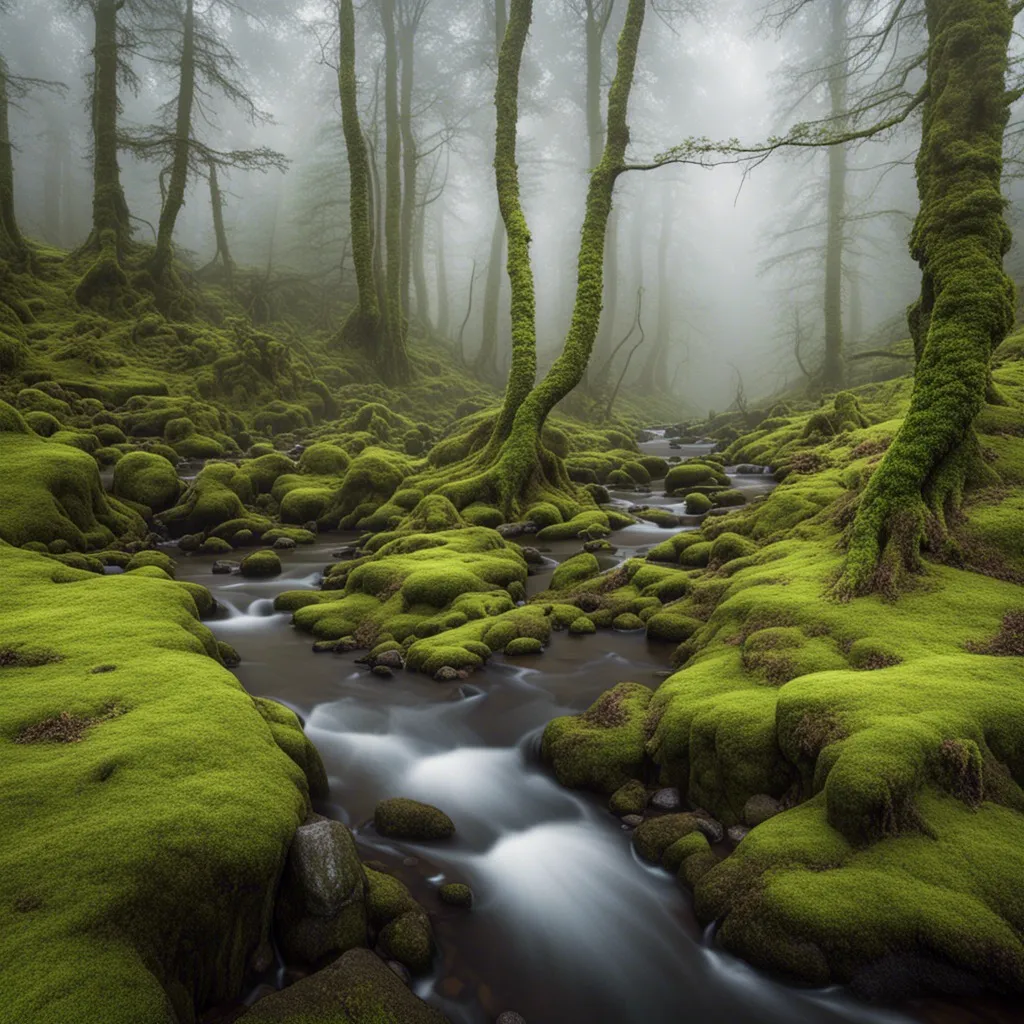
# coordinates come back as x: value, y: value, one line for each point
x: 364, y: 323
x: 395, y: 360
x: 966, y: 305
x: 486, y: 363
x: 104, y: 281
x: 11, y: 242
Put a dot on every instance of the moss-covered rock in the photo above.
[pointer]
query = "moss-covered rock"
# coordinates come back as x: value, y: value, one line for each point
x: 603, y: 748
x: 629, y: 798
x: 456, y: 894
x: 155, y: 724
x: 574, y: 570
x: 261, y: 564
x: 655, y: 835
x: 400, y: 818
x: 358, y: 988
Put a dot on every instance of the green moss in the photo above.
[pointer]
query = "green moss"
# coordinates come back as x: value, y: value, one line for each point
x: 187, y: 754
x: 603, y: 748
x: 629, y: 798
x: 43, y: 423
x: 324, y: 460
x: 146, y: 479
x: 727, y: 546
x: 455, y: 894
x: 400, y: 818
x: 574, y: 570
x: 654, y: 836
x: 671, y: 627
x: 523, y: 645
x: 261, y: 564
x: 409, y: 940
x: 690, y: 844
x: 53, y: 492
x: 210, y: 500
x: 582, y: 625
x: 158, y: 558
x: 482, y: 515
x: 357, y: 988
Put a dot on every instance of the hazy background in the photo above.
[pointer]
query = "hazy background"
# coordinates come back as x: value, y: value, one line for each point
x: 733, y: 294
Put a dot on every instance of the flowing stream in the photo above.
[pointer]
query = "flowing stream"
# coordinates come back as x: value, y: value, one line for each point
x: 567, y: 924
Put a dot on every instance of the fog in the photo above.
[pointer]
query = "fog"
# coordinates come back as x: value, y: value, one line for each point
x: 741, y: 248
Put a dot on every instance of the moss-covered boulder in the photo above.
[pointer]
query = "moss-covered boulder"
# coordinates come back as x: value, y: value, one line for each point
x: 53, y: 492
x: 603, y: 748
x: 574, y: 570
x: 115, y: 699
x: 401, y: 818
x: 260, y: 565
x: 358, y: 988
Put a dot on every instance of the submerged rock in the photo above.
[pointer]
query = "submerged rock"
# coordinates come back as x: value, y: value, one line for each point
x: 222, y: 567
x: 455, y: 894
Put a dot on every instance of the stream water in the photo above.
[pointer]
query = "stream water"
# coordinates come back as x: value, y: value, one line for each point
x: 567, y: 924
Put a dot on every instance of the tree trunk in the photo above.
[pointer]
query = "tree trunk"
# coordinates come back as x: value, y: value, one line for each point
x: 394, y: 360
x: 223, y: 252
x: 967, y: 301
x: 522, y: 456
x: 834, y: 370
x: 441, y: 269
x: 409, y: 160
x: 178, y: 178
x: 363, y: 324
x: 486, y: 363
x: 104, y: 281
x: 11, y: 241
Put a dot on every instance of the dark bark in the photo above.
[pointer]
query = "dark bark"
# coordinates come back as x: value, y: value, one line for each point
x: 177, y: 180
x: 11, y: 241
x: 365, y: 321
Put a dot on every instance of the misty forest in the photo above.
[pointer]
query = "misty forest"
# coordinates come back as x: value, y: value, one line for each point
x: 511, y: 512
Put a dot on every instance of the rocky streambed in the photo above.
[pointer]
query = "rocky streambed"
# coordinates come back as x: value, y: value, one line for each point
x: 567, y: 922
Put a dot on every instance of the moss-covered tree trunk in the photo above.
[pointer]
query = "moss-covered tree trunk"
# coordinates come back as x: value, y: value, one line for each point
x: 177, y: 180
x: 834, y: 372
x: 11, y: 242
x: 111, y: 225
x: 362, y: 326
x: 393, y: 359
x: 223, y: 251
x: 522, y: 453
x: 967, y: 301
x: 486, y: 362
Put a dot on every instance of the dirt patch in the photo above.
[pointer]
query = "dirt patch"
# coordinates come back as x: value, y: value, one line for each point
x: 67, y: 728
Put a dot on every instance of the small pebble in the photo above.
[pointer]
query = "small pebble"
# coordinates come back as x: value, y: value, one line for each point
x: 737, y: 833
x: 511, y: 1017
x: 632, y: 820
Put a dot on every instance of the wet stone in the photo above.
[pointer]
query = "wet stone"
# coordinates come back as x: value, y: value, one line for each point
x: 389, y: 660
x: 714, y: 831
x: 466, y: 691
x: 510, y: 1017
x: 401, y: 970
x: 632, y: 820
x: 284, y: 544
x: 383, y: 671
x: 509, y: 530
x: 532, y: 556
x: 737, y: 833
x: 667, y: 799
x: 223, y: 567
x: 446, y: 674
x: 311, y: 526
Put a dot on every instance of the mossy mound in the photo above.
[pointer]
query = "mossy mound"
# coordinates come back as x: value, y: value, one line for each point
x: 99, y: 909
x: 261, y: 564
x: 53, y: 492
x: 603, y: 748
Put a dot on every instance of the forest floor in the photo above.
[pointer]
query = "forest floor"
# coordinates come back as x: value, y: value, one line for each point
x: 867, y: 755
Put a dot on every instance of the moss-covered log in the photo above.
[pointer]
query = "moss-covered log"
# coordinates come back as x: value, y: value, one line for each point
x: 967, y: 300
